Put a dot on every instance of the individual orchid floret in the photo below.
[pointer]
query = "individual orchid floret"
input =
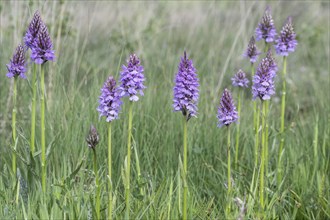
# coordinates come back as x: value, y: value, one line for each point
x: 286, y: 42
x: 266, y: 28
x: 42, y: 50
x: 227, y: 113
x: 252, y: 52
x: 240, y: 79
x: 17, y: 66
x: 132, y: 79
x: 109, y: 102
x: 186, y: 89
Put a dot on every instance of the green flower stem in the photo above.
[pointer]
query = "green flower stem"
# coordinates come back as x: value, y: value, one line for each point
x: 254, y: 103
x: 266, y: 47
x: 279, y: 166
x: 255, y: 177
x: 33, y: 113
x: 14, y: 125
x: 238, y: 129
x: 228, y: 173
x: 109, y: 172
x: 266, y: 135
x: 43, y: 138
x: 128, y: 165
x: 266, y: 141
x: 256, y: 113
x: 185, y: 167
x: 256, y: 146
x: 263, y: 152
x: 97, y: 185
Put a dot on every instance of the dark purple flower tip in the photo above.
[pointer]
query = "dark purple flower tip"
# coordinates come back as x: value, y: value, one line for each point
x: 252, y: 52
x: 33, y: 30
x: 240, y: 79
x: 263, y: 81
x: 286, y: 42
x: 272, y: 63
x: 109, y: 102
x: 227, y: 113
x: 16, y: 67
x: 42, y: 49
x: 266, y: 28
x: 186, y: 92
x: 92, y: 138
x: 132, y: 78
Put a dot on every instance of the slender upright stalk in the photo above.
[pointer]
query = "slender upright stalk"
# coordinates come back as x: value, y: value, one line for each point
x: 17, y: 191
x: 170, y: 200
x: 238, y: 130
x: 256, y: 115
x: 109, y: 172
x: 263, y: 152
x: 43, y: 138
x: 266, y: 137
x: 128, y: 165
x: 254, y: 103
x: 266, y: 46
x: 315, y: 141
x: 14, y: 125
x: 138, y: 170
x: 33, y: 113
x: 185, y: 167
x: 279, y: 166
x: 97, y: 195
x: 228, y: 172
x: 266, y: 125
x: 256, y: 145
x: 255, y: 177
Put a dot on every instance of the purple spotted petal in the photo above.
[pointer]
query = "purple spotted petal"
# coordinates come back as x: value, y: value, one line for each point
x: 240, y: 79
x: 266, y: 28
x: 109, y: 102
x: 132, y: 79
x: 252, y: 52
x: 263, y: 81
x: 186, y: 92
x: 17, y: 66
x: 42, y: 49
x: 286, y: 42
x: 227, y: 113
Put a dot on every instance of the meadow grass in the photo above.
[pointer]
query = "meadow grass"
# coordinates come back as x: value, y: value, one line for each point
x: 91, y: 40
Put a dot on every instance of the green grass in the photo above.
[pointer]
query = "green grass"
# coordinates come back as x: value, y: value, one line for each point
x: 92, y: 40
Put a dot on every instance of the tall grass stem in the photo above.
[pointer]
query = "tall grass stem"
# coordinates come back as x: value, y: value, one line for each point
x: 263, y: 152
x: 128, y: 165
x: 97, y: 185
x: 254, y: 103
x: 33, y: 112
x: 238, y: 129
x: 109, y: 172
x: 266, y: 137
x: 256, y: 144
x: 228, y: 173
x: 279, y: 166
x: 43, y: 135
x: 185, y: 167
x: 14, y: 125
